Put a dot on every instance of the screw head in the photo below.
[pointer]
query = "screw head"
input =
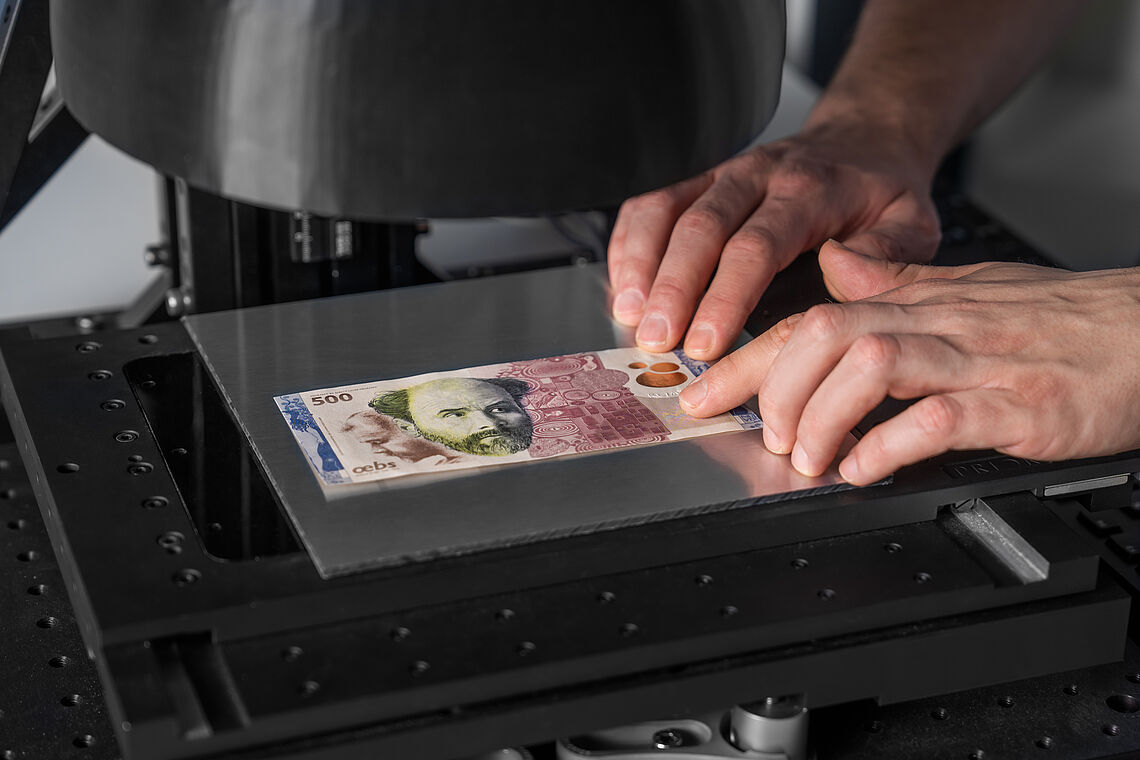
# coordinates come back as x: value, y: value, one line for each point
x: 186, y: 576
x: 171, y: 541
x: 668, y: 738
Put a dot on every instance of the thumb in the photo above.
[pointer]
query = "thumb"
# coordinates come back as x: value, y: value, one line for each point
x: 853, y: 276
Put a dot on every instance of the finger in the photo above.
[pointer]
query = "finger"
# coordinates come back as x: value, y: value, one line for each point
x: 694, y: 248
x: 616, y: 246
x: 877, y: 365
x: 767, y: 242
x: 854, y: 276
x: 643, y: 228
x: 735, y: 378
x: 982, y: 418
x: 908, y: 229
x: 812, y: 352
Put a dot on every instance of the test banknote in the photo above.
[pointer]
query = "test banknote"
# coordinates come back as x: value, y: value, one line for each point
x: 512, y: 412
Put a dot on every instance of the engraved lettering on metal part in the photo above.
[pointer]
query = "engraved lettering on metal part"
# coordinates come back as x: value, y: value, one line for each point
x: 987, y: 466
x: 1006, y: 544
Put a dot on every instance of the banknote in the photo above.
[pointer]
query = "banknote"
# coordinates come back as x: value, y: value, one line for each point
x: 507, y: 413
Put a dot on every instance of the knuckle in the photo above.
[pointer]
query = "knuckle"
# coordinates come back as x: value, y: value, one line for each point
x: 891, y: 248
x: 875, y: 353
x: 756, y: 161
x: 799, y: 177
x: 702, y: 220
x: 670, y: 289
x: 720, y: 306
x: 937, y: 415
x: 781, y: 332
x: 927, y: 223
x: 752, y: 244
x: 824, y: 321
x: 657, y: 202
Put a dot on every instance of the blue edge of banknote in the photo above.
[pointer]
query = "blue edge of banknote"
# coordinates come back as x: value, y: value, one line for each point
x: 316, y: 447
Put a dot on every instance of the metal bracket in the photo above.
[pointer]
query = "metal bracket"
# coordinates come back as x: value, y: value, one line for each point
x: 1006, y: 544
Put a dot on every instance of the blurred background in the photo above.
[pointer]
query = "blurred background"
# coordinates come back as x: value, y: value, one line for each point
x: 1059, y: 164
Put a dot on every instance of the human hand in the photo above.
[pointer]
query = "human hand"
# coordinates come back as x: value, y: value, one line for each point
x: 751, y: 216
x: 1033, y: 362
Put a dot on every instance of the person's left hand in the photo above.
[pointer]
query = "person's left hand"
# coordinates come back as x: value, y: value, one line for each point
x: 1033, y: 362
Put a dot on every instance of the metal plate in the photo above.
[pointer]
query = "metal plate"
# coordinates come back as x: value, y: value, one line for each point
x: 256, y: 354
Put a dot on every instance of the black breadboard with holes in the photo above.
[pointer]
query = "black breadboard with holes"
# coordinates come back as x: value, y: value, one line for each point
x: 1084, y: 714
x: 51, y: 702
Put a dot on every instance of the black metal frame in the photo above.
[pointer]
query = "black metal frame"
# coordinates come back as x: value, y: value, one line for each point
x: 35, y: 137
x: 225, y: 254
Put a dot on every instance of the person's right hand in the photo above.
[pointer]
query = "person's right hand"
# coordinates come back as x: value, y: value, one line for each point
x: 748, y: 218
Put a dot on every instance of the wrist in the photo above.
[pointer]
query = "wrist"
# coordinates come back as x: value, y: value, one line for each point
x: 869, y: 116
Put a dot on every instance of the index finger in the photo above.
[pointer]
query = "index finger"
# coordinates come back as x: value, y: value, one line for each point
x: 737, y: 377
x: 638, y: 243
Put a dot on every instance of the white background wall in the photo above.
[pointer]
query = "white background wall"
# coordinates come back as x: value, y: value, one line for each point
x: 1060, y: 163
x: 78, y: 245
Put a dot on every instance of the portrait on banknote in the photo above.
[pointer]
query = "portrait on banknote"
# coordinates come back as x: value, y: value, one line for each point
x: 505, y: 413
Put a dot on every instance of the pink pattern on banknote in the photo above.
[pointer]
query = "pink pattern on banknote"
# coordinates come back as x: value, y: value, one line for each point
x: 577, y: 404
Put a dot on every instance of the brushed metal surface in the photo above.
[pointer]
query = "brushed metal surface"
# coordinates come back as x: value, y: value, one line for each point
x: 256, y: 354
x: 397, y: 110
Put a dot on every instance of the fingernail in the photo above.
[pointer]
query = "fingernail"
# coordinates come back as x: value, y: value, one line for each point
x: 849, y: 469
x: 628, y: 305
x: 694, y: 395
x: 699, y: 340
x: 773, y: 442
x: 653, y: 331
x: 801, y: 461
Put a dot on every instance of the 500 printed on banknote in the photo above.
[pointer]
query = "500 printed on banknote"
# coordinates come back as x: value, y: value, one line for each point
x: 500, y: 413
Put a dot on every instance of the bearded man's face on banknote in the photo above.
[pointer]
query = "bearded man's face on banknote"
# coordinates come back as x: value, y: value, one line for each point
x: 470, y: 415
